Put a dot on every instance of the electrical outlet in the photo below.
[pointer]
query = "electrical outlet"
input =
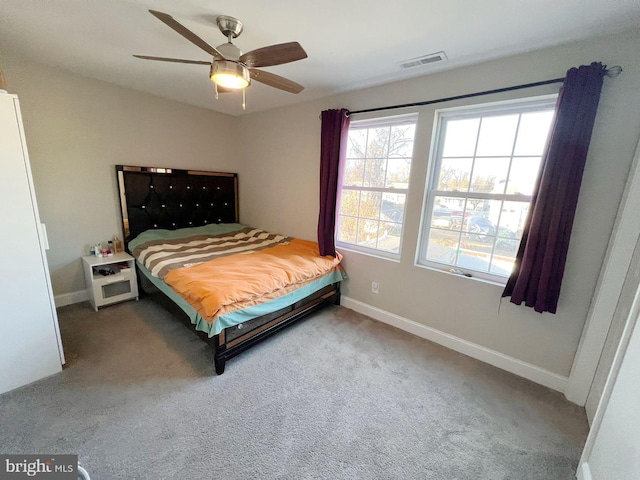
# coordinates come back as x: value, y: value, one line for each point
x: 375, y: 288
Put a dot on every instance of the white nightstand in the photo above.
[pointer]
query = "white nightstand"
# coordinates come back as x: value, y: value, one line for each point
x: 116, y: 287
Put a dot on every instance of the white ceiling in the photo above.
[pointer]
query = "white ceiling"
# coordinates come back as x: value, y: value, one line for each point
x: 351, y: 44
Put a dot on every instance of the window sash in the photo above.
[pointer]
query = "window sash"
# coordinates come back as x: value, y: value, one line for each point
x: 376, y: 189
x: 508, y: 197
x: 519, y: 107
x: 369, y: 124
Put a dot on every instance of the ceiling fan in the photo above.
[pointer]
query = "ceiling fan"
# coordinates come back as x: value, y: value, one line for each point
x: 230, y: 69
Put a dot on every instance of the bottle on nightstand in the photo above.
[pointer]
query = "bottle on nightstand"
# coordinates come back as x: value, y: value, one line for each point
x: 117, y: 244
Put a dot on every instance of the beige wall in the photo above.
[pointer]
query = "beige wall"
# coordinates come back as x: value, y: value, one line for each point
x: 279, y: 192
x: 77, y: 129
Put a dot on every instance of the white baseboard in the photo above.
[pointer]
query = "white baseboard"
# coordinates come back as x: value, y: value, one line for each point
x: 69, y: 298
x: 497, y: 359
x: 584, y: 472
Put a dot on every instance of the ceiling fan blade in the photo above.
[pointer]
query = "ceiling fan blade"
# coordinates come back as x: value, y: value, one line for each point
x: 274, y: 55
x: 275, y: 81
x: 176, y: 60
x: 186, y: 33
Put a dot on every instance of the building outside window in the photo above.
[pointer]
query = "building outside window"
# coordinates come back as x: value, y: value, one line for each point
x: 483, y: 169
x: 374, y: 185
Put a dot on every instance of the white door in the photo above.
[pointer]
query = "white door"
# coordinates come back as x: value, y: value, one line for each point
x: 29, y: 336
x: 612, y: 450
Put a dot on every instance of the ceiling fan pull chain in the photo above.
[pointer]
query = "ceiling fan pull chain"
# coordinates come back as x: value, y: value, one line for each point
x: 244, y: 99
x: 215, y: 87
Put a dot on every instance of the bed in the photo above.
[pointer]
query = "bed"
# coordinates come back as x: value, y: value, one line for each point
x: 233, y: 284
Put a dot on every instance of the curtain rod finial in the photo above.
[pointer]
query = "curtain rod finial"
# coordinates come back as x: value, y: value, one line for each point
x: 614, y: 71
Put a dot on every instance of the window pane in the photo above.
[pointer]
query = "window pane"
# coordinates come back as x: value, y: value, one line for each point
x: 506, y: 246
x: 443, y: 245
x: 454, y: 174
x: 442, y: 218
x: 367, y: 233
x: 389, y: 236
x: 513, y: 218
x: 378, y: 142
x: 480, y: 228
x: 392, y: 207
x: 353, y: 172
x: 523, y: 175
x: 474, y: 253
x: 477, y: 207
x: 401, y: 142
x: 489, y: 175
x: 502, y: 263
x: 460, y: 137
x: 398, y: 170
x: 374, y: 172
x: 370, y: 205
x: 447, y: 212
x: 533, y: 132
x: 487, y: 209
x: 509, y: 233
x: 357, y: 145
x: 497, y: 135
x: 350, y: 202
x: 347, y: 228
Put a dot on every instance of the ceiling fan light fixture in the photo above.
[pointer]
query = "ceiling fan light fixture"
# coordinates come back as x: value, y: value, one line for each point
x: 230, y: 74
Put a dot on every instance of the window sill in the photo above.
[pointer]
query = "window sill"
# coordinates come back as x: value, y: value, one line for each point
x: 381, y: 256
x: 470, y: 276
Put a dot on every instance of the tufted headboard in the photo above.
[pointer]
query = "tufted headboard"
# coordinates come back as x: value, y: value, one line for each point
x: 152, y: 197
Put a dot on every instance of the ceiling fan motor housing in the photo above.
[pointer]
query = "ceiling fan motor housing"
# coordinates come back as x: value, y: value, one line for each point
x: 229, y: 51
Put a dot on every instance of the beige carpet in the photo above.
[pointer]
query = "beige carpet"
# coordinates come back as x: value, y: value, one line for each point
x: 337, y: 396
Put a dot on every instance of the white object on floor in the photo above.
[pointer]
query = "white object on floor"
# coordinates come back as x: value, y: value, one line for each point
x: 82, y: 473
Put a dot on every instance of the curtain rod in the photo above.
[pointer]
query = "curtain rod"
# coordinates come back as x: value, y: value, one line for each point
x: 611, y: 72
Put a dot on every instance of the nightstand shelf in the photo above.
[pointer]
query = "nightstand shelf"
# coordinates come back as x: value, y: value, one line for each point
x: 110, y: 279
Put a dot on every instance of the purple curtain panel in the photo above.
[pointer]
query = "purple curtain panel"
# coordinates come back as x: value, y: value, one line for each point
x: 333, y: 147
x: 540, y: 261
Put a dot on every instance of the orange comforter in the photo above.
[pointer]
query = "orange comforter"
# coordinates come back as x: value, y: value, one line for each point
x: 239, y: 281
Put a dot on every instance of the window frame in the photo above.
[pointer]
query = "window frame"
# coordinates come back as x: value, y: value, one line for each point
x: 519, y: 105
x: 386, y: 121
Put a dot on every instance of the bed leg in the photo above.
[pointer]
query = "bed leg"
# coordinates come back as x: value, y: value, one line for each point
x: 220, y: 347
x: 336, y: 296
x: 220, y: 364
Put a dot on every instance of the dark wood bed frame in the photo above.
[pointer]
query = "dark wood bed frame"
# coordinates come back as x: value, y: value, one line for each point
x: 168, y: 198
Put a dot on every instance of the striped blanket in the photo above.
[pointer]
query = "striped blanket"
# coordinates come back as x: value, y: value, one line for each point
x: 221, y: 273
x: 162, y: 256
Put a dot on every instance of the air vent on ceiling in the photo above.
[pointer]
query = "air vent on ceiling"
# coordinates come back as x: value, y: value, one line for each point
x: 424, y: 60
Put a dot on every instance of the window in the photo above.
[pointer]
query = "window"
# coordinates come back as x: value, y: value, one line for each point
x: 375, y: 182
x: 484, y: 166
